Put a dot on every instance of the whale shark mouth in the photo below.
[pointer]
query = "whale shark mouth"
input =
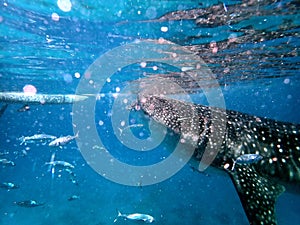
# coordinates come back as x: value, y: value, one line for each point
x: 258, y: 184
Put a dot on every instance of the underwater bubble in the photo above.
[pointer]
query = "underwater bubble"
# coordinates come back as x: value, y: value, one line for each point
x: 164, y: 29
x: 119, y: 14
x: 87, y: 75
x: 77, y: 75
x: 143, y: 64
x: 64, y: 5
x: 55, y: 17
x: 29, y: 89
x: 151, y: 12
x: 286, y: 81
x: 68, y: 78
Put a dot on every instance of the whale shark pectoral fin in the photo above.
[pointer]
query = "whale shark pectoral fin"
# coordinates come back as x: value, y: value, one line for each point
x: 257, y: 194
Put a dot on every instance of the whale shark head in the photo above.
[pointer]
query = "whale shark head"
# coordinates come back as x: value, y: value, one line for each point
x: 161, y: 110
x: 180, y: 117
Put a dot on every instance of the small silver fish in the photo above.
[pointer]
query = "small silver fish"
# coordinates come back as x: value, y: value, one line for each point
x: 72, y: 176
x: 36, y: 137
x: 247, y: 159
x: 58, y: 142
x: 135, y: 216
x: 61, y: 164
x: 24, y: 108
x: 7, y: 162
x: 29, y: 203
x: 3, y: 153
x: 73, y: 197
x: 8, y: 185
x: 130, y: 126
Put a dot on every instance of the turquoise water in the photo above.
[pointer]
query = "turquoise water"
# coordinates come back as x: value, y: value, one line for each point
x: 251, y: 49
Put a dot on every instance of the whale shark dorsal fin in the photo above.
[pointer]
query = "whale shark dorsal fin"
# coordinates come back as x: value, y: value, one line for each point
x: 257, y: 194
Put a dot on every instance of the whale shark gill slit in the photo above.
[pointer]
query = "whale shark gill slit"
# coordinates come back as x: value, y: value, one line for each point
x: 276, y: 143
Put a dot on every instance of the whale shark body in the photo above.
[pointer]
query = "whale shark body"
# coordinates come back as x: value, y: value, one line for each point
x: 277, y: 143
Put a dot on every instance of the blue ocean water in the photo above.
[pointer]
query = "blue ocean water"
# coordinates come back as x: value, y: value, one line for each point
x: 251, y: 48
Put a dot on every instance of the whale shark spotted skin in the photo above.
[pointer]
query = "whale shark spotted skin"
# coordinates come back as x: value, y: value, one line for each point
x: 258, y: 184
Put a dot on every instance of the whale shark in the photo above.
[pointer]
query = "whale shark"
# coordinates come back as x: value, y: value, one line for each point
x: 277, y: 144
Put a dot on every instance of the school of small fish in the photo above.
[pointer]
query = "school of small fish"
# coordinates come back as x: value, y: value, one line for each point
x: 59, y: 165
